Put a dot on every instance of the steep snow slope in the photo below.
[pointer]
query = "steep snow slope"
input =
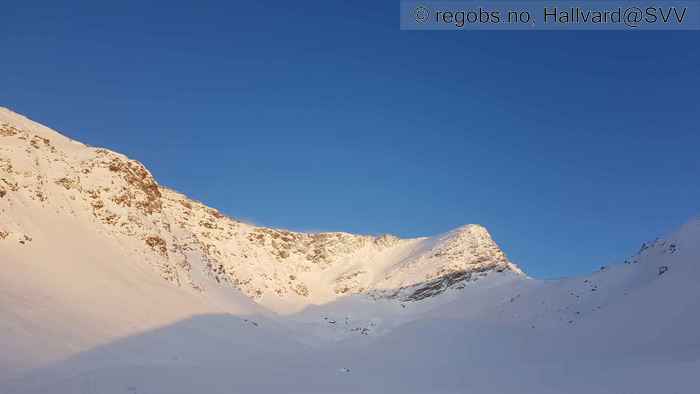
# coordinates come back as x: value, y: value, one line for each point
x: 63, y: 292
x: 187, y: 242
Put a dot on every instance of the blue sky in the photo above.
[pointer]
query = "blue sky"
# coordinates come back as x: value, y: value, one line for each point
x: 571, y: 147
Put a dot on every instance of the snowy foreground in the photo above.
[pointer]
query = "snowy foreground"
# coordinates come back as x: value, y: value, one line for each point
x: 110, y: 283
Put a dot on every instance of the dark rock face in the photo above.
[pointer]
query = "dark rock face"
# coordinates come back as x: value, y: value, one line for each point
x: 437, y: 286
x: 431, y: 288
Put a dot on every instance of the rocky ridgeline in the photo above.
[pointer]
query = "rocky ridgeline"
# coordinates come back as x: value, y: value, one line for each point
x: 459, y: 256
x: 177, y: 235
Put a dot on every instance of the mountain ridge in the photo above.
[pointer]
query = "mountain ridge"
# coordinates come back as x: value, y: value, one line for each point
x: 185, y: 240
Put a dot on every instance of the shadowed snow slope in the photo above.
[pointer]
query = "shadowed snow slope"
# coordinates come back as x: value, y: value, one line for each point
x: 111, y: 283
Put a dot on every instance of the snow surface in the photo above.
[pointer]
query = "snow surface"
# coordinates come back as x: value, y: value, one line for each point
x: 110, y: 283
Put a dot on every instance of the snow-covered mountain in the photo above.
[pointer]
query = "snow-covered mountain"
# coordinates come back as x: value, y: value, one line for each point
x: 112, y: 283
x: 187, y: 241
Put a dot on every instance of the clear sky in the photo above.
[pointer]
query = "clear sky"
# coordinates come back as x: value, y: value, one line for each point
x: 570, y: 147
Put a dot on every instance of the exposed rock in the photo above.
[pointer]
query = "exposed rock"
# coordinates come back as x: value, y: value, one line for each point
x: 136, y: 175
x: 25, y: 239
x: 67, y: 183
x: 434, y: 286
x: 7, y: 130
x: 157, y: 244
